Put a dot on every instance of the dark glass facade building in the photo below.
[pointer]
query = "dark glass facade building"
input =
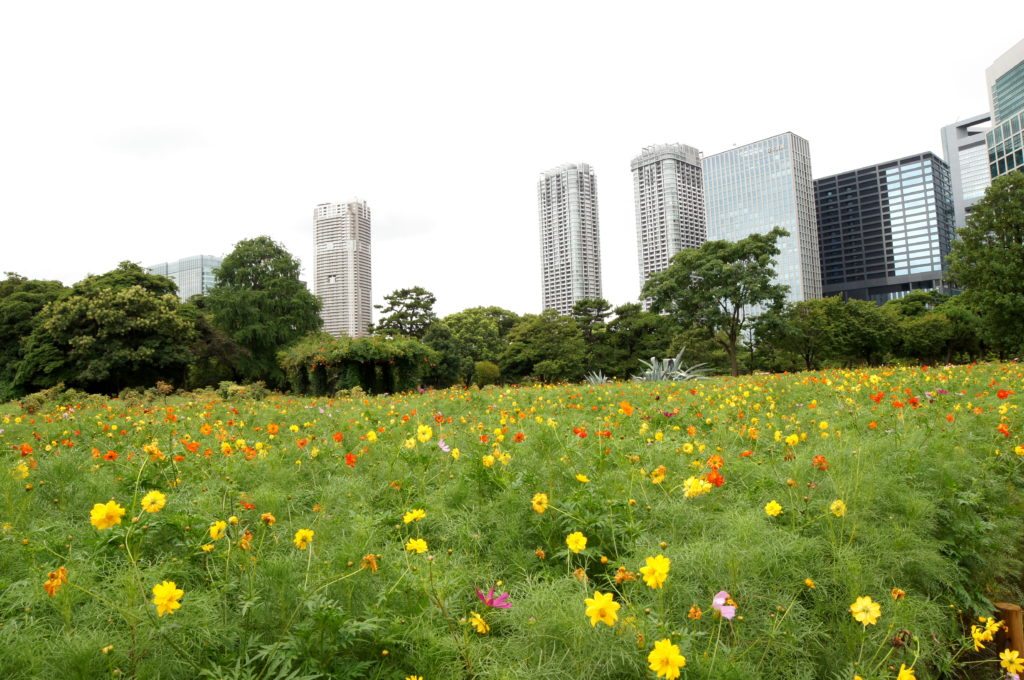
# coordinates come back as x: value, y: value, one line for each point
x: 884, y: 231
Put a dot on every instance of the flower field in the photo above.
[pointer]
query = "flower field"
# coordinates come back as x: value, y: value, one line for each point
x: 835, y: 524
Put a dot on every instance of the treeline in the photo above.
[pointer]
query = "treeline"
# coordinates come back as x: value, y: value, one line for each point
x: 718, y: 303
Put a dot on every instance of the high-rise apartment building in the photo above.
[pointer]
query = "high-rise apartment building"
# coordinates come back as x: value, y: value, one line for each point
x: 668, y: 197
x: 963, y: 145
x: 193, y: 275
x: 753, y: 188
x: 570, y: 246
x: 885, y: 230
x: 341, y: 277
x: 1005, y: 141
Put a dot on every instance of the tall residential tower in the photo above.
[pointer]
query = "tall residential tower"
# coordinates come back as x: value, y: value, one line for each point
x: 570, y: 247
x: 668, y: 197
x: 341, y: 276
x: 752, y: 188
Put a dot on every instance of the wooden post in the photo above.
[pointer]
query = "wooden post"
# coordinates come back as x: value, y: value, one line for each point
x: 1011, y: 616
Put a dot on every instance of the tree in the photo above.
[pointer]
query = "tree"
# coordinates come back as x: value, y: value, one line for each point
x: 634, y: 334
x: 21, y: 300
x: 454, y: 363
x: 548, y: 346
x: 106, y: 338
x: 409, y: 312
x: 262, y: 305
x: 988, y: 258
x: 715, y: 286
x: 126, y: 275
x: 478, y: 332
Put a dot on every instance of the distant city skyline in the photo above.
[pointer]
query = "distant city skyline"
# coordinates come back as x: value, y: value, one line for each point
x: 441, y: 128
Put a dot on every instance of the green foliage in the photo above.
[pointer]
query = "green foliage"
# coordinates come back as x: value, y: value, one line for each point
x: 669, y: 369
x: 20, y: 301
x: 715, y: 286
x: 987, y: 258
x: 102, y: 339
x: 263, y: 307
x: 478, y: 332
x: 485, y: 373
x: 454, y: 364
x: 631, y: 335
x: 548, y: 346
x: 126, y: 275
x: 323, y: 365
x: 409, y: 312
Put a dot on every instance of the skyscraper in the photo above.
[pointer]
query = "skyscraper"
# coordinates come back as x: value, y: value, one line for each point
x: 1005, y: 141
x: 752, y: 188
x: 194, y: 275
x: 341, y: 276
x: 570, y: 247
x: 668, y: 197
x: 963, y: 145
x: 885, y: 230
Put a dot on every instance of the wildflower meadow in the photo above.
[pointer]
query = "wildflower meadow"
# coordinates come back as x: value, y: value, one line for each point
x: 831, y: 524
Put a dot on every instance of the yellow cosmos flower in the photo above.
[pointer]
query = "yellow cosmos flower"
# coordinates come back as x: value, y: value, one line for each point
x: 416, y: 545
x: 371, y: 436
x: 540, y: 503
x: 656, y: 571
x: 488, y: 460
x: 576, y: 541
x: 414, y: 516
x: 809, y: 582
x: 208, y: 547
x: 478, y: 622
x: 906, y: 673
x: 424, y: 433
x: 1011, y: 661
x: 410, y: 443
x: 838, y: 508
x: 602, y: 607
x: 105, y: 515
x: 303, y: 537
x: 154, y: 501
x: 583, y: 479
x: 665, y: 659
x: 166, y: 596
x: 217, y: 529
x: 695, y: 486
x: 866, y: 610
x: 773, y: 509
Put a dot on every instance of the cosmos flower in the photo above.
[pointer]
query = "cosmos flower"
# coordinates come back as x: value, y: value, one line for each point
x: 500, y: 602
x: 722, y: 606
x: 602, y: 607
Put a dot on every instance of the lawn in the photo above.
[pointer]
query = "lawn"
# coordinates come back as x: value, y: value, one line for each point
x: 740, y: 524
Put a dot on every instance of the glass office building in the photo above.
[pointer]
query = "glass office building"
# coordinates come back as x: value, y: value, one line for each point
x: 570, y: 246
x: 885, y: 230
x: 1005, y: 141
x: 193, y: 275
x: 753, y: 188
x: 963, y: 146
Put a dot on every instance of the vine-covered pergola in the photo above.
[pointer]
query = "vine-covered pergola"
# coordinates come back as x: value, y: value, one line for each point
x: 321, y: 364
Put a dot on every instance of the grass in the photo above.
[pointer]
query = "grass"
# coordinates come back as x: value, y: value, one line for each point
x: 930, y: 485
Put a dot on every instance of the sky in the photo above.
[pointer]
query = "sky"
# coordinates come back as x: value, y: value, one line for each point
x: 149, y: 131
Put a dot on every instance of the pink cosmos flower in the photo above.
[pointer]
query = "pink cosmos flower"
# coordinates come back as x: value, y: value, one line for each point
x: 444, y: 447
x: 727, y: 611
x: 499, y: 602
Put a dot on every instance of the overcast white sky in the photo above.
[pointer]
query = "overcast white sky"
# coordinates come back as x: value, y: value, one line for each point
x: 151, y: 131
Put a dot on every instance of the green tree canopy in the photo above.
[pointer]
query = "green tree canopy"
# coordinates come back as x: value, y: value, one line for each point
x: 126, y: 275
x: 106, y: 338
x: 454, y: 364
x: 409, y: 312
x: 21, y: 300
x: 634, y: 334
x: 548, y: 346
x: 262, y: 305
x: 716, y: 285
x: 478, y: 331
x: 988, y: 258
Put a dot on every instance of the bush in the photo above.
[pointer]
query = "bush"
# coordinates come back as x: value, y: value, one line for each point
x: 485, y: 373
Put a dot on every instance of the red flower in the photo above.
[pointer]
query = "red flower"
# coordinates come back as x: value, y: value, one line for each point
x: 350, y: 460
x: 715, y: 478
x: 820, y: 463
x: 338, y: 436
x: 746, y: 453
x: 110, y: 455
x: 1003, y: 394
x: 877, y: 398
